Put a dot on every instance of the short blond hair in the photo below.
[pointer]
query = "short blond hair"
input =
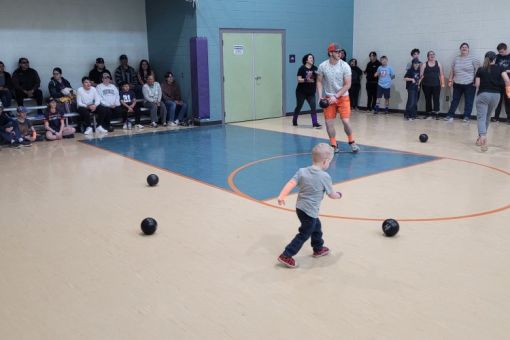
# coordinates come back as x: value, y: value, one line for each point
x: 321, y: 152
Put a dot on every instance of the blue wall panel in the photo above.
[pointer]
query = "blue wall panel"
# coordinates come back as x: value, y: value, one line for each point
x: 309, y: 27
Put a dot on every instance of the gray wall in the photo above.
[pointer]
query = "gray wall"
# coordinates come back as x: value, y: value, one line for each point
x: 395, y: 27
x: 71, y: 34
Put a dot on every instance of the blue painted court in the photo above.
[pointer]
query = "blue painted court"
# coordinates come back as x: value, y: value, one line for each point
x: 268, y: 159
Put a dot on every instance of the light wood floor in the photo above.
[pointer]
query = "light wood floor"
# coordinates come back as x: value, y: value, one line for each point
x: 73, y: 264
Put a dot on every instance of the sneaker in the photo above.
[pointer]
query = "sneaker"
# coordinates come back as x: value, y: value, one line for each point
x: 466, y: 120
x: 125, y: 126
x: 484, y: 146
x: 14, y: 144
x: 386, y: 111
x: 165, y: 124
x: 287, y: 261
x: 429, y: 117
x: 172, y: 124
x: 323, y: 252
x: 354, y: 147
x: 129, y: 126
x: 294, y: 123
x: 88, y: 131
x: 110, y: 129
x: 410, y: 119
x: 26, y: 143
x: 154, y: 124
x: 100, y: 129
x: 448, y: 119
x: 478, y: 142
x: 139, y: 126
x: 494, y: 119
x: 317, y: 126
x: 176, y: 122
x: 335, y: 148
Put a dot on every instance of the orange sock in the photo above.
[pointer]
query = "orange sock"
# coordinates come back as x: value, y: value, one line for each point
x: 332, y: 141
x: 350, y: 138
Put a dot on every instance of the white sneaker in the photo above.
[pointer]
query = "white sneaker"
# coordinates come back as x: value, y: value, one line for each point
x: 173, y: 124
x: 139, y: 126
x: 129, y: 126
x: 125, y: 126
x: 154, y: 124
x: 354, y: 147
x: 176, y: 122
x: 100, y: 129
x: 88, y: 131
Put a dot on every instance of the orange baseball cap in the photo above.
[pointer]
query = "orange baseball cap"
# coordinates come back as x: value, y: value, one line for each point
x: 333, y: 47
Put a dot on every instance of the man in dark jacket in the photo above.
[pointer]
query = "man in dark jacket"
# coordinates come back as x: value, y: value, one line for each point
x: 5, y: 86
x: 26, y: 83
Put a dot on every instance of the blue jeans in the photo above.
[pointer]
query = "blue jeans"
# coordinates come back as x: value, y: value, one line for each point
x: 412, y: 101
x: 173, y: 108
x: 13, y: 134
x: 310, y: 227
x: 469, y: 96
x: 6, y: 97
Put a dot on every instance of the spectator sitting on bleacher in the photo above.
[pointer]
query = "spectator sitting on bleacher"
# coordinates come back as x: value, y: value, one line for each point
x: 88, y: 100
x: 6, y: 87
x: 125, y: 73
x: 173, y: 101
x: 128, y: 105
x: 26, y: 83
x: 54, y: 123
x: 152, y: 101
x: 96, y: 74
x: 144, y: 70
x: 109, y: 101
x: 61, y: 90
x: 9, y: 130
x: 26, y: 129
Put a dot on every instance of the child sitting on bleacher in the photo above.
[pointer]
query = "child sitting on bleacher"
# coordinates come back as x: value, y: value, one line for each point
x: 26, y: 129
x: 54, y: 123
x: 128, y: 105
x: 9, y: 130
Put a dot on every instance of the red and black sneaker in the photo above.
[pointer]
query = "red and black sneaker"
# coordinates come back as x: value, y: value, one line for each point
x: 323, y: 252
x: 287, y: 261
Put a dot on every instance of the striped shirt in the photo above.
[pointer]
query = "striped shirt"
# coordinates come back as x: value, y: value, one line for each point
x: 464, y: 69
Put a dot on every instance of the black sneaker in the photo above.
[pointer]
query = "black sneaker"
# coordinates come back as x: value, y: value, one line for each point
x: 26, y: 143
x: 110, y: 129
x: 294, y: 123
x: 317, y: 126
x: 494, y: 119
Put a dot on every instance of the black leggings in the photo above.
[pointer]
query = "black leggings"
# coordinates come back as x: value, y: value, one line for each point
x: 371, y: 95
x: 431, y: 96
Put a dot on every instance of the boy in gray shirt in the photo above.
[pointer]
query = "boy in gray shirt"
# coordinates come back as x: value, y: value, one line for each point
x: 312, y: 181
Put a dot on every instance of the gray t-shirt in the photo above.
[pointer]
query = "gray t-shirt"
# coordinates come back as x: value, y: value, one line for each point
x: 312, y: 183
x: 333, y: 76
x: 464, y: 69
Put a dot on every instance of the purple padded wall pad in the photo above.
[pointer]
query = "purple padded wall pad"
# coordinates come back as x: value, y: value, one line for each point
x: 200, y: 77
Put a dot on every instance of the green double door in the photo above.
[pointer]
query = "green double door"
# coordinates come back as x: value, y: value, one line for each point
x: 252, y: 75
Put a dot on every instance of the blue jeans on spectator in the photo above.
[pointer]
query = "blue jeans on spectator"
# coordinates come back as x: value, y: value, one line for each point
x: 6, y: 97
x: 469, y: 96
x: 173, y: 108
x: 310, y: 227
x: 412, y: 102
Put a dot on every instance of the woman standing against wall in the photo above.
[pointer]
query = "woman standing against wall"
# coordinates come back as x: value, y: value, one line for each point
x: 432, y: 80
x: 462, y: 76
x: 306, y: 88
x: 357, y: 73
x: 371, y: 84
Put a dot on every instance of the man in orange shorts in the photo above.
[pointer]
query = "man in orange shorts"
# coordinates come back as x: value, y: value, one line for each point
x: 334, y: 76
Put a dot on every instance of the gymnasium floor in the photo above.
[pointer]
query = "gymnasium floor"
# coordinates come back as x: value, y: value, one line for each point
x: 74, y: 266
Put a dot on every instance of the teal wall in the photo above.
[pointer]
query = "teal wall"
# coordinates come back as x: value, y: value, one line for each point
x: 309, y: 27
x: 170, y: 25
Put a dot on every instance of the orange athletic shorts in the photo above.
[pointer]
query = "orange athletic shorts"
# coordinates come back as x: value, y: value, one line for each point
x: 342, y: 106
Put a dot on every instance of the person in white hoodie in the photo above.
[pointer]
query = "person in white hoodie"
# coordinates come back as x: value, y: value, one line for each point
x: 87, y: 100
x: 152, y: 100
x: 110, y: 100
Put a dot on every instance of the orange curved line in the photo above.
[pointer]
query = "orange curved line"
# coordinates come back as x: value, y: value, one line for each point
x: 232, y: 185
